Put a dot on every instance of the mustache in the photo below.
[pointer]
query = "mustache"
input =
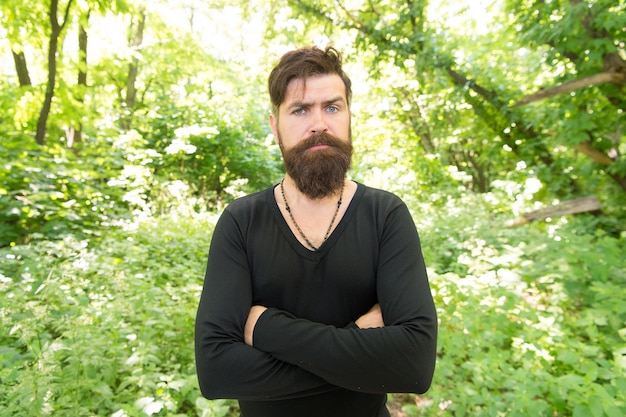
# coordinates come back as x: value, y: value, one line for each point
x: 321, y: 138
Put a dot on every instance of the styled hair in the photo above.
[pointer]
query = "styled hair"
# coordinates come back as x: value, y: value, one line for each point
x: 301, y: 64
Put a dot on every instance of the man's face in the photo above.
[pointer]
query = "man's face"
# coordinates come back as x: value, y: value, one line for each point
x: 313, y: 131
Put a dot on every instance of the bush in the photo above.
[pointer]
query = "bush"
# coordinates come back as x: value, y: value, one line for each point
x: 49, y: 192
x: 105, y: 330
x: 532, y: 318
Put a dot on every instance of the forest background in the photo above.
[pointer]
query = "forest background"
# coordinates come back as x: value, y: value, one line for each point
x: 127, y: 126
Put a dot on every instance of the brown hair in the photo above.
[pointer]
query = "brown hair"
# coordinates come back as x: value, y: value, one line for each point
x: 301, y: 64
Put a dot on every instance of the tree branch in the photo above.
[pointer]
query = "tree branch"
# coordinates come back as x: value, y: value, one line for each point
x: 579, y: 205
x: 597, y: 156
x: 569, y: 86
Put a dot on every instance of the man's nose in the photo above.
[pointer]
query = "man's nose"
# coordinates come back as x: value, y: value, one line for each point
x: 318, y: 123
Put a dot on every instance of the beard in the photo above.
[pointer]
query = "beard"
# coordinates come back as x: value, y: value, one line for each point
x: 318, y: 173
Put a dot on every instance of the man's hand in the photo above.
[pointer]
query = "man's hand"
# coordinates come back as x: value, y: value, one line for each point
x: 373, y: 318
x: 253, y: 316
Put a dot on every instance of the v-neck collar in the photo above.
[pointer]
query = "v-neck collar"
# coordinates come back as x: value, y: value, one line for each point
x: 302, y: 250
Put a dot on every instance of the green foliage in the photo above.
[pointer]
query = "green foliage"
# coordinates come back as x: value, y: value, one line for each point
x: 216, y: 157
x: 105, y: 330
x: 573, y: 40
x: 50, y: 192
x: 532, y: 319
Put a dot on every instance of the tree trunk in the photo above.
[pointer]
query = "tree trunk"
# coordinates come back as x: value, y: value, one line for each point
x: 133, y: 70
x: 74, y: 134
x: 53, y: 47
x: 82, y: 53
x: 21, y: 68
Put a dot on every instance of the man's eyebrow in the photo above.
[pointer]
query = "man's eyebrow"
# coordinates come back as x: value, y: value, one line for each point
x: 304, y: 104
x: 338, y: 99
x: 299, y: 105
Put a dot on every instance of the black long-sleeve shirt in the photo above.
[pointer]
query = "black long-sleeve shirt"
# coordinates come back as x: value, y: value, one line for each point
x: 309, y: 359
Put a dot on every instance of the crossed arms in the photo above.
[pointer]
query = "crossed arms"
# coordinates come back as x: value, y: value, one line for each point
x: 253, y: 352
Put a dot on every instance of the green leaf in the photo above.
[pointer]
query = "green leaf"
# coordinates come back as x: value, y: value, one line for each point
x: 570, y: 381
x: 596, y: 406
x: 581, y: 410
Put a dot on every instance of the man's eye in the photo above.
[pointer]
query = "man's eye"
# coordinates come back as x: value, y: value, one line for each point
x: 332, y: 109
x: 298, y: 111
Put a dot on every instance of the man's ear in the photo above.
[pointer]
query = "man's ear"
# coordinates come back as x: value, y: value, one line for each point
x: 274, y: 126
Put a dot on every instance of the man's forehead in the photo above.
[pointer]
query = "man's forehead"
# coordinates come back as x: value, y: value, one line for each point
x: 298, y: 89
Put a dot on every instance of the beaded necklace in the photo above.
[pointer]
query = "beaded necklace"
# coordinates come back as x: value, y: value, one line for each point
x: 332, y: 221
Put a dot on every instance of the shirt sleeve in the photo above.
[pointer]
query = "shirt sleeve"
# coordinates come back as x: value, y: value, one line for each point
x: 226, y: 366
x: 399, y: 357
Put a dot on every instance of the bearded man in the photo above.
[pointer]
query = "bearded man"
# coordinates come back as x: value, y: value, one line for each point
x: 316, y: 300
